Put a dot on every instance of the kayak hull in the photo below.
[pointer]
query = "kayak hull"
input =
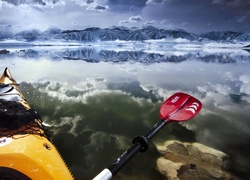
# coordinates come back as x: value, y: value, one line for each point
x: 34, y: 156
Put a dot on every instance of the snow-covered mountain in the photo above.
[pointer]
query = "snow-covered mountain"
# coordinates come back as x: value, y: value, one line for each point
x: 226, y: 36
x: 125, y: 34
x: 121, y: 33
x: 28, y: 35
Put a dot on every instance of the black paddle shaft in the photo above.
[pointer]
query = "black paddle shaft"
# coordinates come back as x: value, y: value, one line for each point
x: 140, y: 143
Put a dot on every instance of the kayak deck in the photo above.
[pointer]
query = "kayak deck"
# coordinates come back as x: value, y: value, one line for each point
x: 25, y: 149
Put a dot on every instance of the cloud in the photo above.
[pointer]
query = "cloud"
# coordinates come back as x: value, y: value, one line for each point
x: 89, y: 1
x: 155, y: 2
x: 149, y: 23
x: 71, y: 122
x: 88, y: 4
x: 132, y: 19
x: 5, y: 4
x: 245, y: 87
x: 128, y: 6
x: 98, y: 7
x: 92, y: 5
x: 200, y: 16
x: 194, y: 16
x: 232, y: 3
x: 76, y: 15
x: 241, y: 19
x: 32, y: 2
x: 135, y: 18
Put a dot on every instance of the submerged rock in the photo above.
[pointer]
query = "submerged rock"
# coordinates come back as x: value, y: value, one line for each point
x: 4, y: 51
x: 192, y: 161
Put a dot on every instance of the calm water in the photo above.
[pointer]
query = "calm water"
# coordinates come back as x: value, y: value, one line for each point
x: 96, y: 100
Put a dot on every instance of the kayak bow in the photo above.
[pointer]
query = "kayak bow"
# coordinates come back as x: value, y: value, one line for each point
x: 25, y: 149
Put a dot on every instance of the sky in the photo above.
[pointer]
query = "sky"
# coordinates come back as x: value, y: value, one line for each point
x: 196, y: 16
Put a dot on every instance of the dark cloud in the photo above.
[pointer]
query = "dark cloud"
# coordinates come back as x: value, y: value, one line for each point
x: 126, y: 6
x: 89, y: 1
x: 200, y: 16
x: 100, y: 7
x: 137, y: 3
x: 232, y: 3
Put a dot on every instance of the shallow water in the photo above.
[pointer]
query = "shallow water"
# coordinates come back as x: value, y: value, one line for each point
x: 95, y: 101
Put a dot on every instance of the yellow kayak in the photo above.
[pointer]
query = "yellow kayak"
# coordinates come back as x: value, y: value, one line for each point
x: 25, y: 150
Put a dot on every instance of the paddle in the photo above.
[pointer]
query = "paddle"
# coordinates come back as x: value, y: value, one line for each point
x: 179, y: 107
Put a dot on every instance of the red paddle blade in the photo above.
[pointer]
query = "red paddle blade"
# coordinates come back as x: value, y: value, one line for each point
x: 180, y: 107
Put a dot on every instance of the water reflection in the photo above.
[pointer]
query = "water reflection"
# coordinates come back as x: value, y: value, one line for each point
x: 95, y: 109
x: 95, y: 55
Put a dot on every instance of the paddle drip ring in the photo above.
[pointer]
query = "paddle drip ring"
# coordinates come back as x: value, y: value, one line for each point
x: 143, y: 141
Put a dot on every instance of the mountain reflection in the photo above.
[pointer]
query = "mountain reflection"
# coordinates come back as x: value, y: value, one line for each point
x: 95, y: 55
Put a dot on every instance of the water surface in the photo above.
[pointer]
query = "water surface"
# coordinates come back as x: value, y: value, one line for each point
x: 96, y: 100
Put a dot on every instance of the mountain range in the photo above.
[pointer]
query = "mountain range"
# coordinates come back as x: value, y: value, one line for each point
x: 121, y: 33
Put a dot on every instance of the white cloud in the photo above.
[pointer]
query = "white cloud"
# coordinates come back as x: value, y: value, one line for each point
x: 123, y: 22
x: 245, y: 87
x: 135, y: 19
x: 76, y: 15
x: 91, y: 5
x: 34, y: 2
x: 245, y: 79
x: 149, y: 23
x: 132, y: 19
x: 155, y: 2
x: 4, y: 4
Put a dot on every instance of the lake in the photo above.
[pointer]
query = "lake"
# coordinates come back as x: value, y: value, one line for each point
x: 95, y: 100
